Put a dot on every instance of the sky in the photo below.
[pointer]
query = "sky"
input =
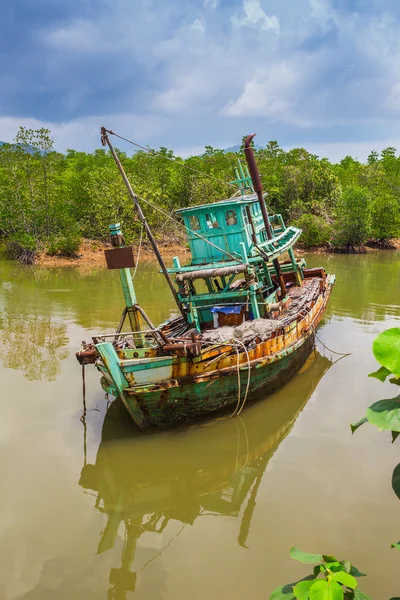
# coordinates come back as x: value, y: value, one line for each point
x: 318, y: 74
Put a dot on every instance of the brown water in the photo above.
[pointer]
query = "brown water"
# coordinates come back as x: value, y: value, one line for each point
x: 209, y: 512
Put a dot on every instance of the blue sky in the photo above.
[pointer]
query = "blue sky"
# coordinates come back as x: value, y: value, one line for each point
x: 323, y: 74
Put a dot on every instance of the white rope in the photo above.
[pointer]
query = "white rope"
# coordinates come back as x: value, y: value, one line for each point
x: 248, y: 377
x: 239, y: 383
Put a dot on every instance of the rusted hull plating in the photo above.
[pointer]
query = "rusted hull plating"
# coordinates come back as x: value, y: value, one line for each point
x: 184, y: 389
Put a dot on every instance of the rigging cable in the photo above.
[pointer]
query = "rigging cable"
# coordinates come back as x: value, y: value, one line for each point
x: 165, y: 214
x: 174, y: 160
x: 138, y: 254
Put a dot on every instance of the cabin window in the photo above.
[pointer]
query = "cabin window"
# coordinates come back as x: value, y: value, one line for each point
x: 230, y: 217
x: 194, y: 223
x: 256, y: 209
x: 212, y: 221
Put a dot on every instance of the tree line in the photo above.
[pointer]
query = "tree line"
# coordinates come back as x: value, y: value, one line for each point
x: 50, y: 201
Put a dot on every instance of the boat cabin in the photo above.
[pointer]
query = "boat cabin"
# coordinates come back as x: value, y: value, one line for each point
x: 232, y: 266
x: 225, y: 225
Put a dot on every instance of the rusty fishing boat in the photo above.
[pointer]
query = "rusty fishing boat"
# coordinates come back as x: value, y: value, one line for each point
x: 248, y: 311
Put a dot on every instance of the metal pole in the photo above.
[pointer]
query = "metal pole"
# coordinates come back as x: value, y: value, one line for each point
x: 105, y: 140
x: 257, y: 185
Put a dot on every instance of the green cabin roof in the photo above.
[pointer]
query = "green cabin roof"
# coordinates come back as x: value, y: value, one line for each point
x: 241, y: 200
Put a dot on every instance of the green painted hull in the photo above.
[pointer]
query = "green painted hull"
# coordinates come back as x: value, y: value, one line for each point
x: 198, y: 397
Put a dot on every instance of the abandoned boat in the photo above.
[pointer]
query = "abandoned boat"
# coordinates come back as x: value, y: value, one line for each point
x: 248, y: 308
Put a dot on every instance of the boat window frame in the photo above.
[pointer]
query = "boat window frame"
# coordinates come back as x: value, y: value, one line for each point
x: 197, y: 218
x: 211, y: 219
x: 228, y: 215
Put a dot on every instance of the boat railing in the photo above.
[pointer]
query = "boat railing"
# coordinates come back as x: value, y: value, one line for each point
x: 149, y: 338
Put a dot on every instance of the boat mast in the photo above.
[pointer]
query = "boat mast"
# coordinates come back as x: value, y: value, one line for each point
x: 105, y: 140
x: 257, y: 185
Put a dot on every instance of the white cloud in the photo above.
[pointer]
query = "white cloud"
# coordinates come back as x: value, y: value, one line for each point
x: 211, y: 4
x: 180, y: 75
x: 79, y: 36
x: 198, y: 25
x: 84, y: 133
x: 254, y: 16
x: 322, y: 10
x: 270, y: 93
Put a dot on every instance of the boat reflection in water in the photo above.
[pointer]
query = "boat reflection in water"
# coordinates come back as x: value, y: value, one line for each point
x: 145, y: 482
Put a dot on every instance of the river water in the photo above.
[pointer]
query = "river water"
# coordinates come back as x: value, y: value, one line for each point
x: 96, y: 511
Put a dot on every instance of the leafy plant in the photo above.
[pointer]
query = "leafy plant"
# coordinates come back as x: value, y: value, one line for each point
x: 316, y: 231
x: 385, y: 414
x: 331, y: 580
x: 353, y: 219
x: 65, y: 245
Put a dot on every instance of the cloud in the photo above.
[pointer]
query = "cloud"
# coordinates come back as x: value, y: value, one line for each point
x: 211, y: 4
x: 185, y: 74
x: 198, y: 25
x: 253, y: 15
x: 270, y: 93
x: 84, y: 133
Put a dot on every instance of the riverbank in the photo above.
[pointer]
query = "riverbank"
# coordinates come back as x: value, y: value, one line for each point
x: 91, y: 253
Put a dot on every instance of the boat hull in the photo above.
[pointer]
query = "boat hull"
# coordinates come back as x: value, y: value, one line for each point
x: 163, y: 394
x: 176, y: 403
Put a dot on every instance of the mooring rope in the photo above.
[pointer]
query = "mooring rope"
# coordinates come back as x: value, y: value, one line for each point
x: 342, y: 354
x: 83, y: 394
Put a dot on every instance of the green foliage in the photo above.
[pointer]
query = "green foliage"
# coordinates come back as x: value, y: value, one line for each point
x: 65, y: 245
x: 385, y: 216
x: 331, y: 580
x: 396, y: 481
x: 353, y: 218
x: 385, y: 414
x: 386, y: 349
x: 304, y: 557
x: 42, y: 192
x: 316, y: 231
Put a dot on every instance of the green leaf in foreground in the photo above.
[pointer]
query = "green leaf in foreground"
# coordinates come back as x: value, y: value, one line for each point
x: 285, y: 592
x: 329, y: 559
x: 302, y: 589
x: 397, y: 546
x: 381, y: 374
x: 396, y: 481
x: 305, y: 557
x: 281, y: 593
x: 355, y: 426
x: 386, y: 349
x: 355, y: 572
x: 326, y: 590
x: 345, y: 579
x: 334, y: 566
x: 385, y: 414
